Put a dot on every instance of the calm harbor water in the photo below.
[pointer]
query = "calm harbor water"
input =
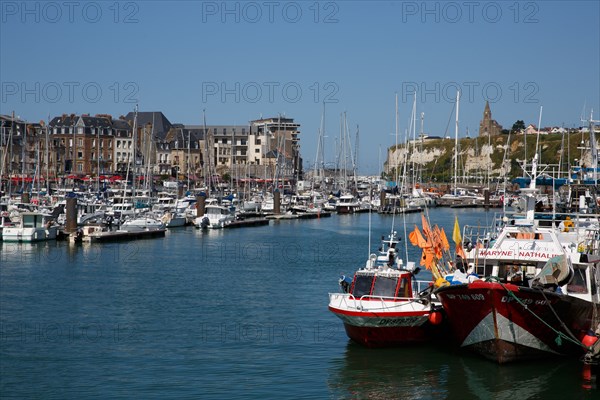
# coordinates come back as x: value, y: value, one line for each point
x: 239, y: 313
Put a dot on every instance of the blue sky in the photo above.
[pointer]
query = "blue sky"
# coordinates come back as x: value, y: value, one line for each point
x: 241, y: 60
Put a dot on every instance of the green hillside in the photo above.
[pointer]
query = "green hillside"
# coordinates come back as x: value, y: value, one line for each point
x: 475, y: 151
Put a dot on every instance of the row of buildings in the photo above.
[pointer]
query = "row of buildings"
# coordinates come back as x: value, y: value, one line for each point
x: 148, y: 143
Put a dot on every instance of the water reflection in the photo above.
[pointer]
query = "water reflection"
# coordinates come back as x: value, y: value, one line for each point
x: 437, y: 372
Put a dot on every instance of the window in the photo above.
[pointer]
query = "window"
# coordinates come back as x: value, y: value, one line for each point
x: 362, y: 286
x: 80, y: 130
x: 579, y: 282
x: 404, y: 289
x: 80, y: 142
x: 385, y: 286
x: 79, y: 154
x: 257, y: 150
x: 80, y: 167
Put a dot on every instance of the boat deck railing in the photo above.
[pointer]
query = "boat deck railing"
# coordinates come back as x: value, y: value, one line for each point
x: 588, y: 223
x: 388, y: 303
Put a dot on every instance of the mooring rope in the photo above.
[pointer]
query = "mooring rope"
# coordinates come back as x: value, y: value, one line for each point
x: 570, y: 337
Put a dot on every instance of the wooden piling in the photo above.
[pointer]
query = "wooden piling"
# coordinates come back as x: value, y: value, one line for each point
x: 277, y: 202
x: 200, y: 202
x: 71, y: 211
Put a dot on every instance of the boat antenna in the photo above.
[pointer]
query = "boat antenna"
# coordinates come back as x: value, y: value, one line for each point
x: 370, y: 213
x: 536, y: 155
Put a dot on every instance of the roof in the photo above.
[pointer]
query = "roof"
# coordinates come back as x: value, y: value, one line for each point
x: 181, y: 135
x: 100, y: 122
x: 121, y: 124
x: 63, y: 120
x: 161, y: 124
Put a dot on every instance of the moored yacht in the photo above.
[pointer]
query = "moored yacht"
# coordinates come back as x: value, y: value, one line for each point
x: 215, y: 217
x: 33, y: 227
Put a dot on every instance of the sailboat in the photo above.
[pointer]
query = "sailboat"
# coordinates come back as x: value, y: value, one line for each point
x: 139, y: 221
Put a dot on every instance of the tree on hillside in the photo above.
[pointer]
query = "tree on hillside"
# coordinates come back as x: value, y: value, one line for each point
x: 518, y: 126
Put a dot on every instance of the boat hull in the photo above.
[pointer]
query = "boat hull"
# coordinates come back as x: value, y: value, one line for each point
x: 17, y: 234
x: 346, y: 209
x: 175, y: 222
x: 507, y: 323
x: 387, y: 331
x: 384, y: 322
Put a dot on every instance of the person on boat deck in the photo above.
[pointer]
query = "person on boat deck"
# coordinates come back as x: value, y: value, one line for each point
x: 566, y: 224
x: 460, y: 264
x: 515, y: 274
x: 391, y: 258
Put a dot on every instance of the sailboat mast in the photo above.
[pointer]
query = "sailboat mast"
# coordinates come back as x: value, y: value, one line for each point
x: 421, y: 149
x: 206, y: 156
x: 47, y: 159
x: 356, y: 155
x: 396, y: 147
x: 23, y: 145
x: 134, y: 153
x: 456, y: 144
x: 594, y: 149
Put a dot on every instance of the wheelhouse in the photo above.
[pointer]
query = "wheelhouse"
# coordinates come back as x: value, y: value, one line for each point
x: 379, y: 285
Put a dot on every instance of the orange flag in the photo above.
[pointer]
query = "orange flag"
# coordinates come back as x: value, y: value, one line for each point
x: 445, y: 244
x: 426, y: 231
x: 416, y: 239
x: 427, y: 257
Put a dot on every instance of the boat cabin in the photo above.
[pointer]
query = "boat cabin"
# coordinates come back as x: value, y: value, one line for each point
x: 35, y: 220
x: 378, y: 284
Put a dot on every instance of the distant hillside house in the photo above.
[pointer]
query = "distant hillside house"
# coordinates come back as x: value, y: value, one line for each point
x: 488, y: 126
x: 533, y: 130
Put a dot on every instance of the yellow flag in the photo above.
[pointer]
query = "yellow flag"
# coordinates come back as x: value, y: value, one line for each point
x: 456, y: 233
x: 457, y: 239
